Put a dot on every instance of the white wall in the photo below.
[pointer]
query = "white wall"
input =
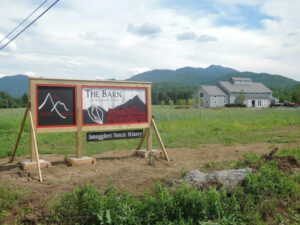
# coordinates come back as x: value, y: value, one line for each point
x: 205, y: 97
x: 259, y: 103
x: 217, y: 101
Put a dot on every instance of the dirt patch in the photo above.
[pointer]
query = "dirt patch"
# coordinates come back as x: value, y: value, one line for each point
x: 122, y: 168
x: 285, y: 163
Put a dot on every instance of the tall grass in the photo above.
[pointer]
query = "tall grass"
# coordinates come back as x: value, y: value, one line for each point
x: 256, y: 202
x: 178, y: 128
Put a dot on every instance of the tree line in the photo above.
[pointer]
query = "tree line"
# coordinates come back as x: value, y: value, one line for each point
x: 290, y: 94
x: 168, y: 93
x: 7, y: 101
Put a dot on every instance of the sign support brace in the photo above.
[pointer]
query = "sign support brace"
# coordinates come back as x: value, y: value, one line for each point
x: 33, y: 137
x: 149, y: 140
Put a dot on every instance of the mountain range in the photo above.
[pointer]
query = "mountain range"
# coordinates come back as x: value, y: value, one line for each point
x: 210, y: 76
x: 17, y: 85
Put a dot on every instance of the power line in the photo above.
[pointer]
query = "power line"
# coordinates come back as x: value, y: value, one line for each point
x: 23, y: 21
x: 28, y: 25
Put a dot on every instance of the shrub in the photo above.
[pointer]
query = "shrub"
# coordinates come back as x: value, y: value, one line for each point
x: 87, y: 206
x: 270, y: 182
x: 251, y: 203
x: 235, y: 105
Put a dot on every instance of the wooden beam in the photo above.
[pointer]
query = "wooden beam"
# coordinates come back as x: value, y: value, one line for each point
x: 142, y: 140
x: 160, y: 140
x: 79, y: 146
x: 149, y: 144
x: 35, y: 147
x: 20, y: 133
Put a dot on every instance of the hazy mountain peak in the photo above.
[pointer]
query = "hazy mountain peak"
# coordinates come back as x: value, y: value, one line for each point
x: 16, y: 85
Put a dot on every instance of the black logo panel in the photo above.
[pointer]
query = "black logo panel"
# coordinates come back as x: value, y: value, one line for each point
x: 56, y: 106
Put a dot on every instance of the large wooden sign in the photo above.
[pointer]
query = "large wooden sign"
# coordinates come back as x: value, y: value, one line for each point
x: 82, y: 105
x: 58, y: 105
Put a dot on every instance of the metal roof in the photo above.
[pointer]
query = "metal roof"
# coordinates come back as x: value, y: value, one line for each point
x: 213, y: 90
x: 240, y: 78
x: 248, y: 88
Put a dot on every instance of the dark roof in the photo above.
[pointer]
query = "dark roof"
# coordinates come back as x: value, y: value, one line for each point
x: 213, y: 90
x: 249, y: 87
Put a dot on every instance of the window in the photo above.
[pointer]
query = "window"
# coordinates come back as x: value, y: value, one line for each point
x: 215, y: 102
x: 206, y: 102
x: 201, y: 95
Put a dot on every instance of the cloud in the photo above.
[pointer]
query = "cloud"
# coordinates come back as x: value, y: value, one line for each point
x: 146, y: 29
x: 139, y: 70
x: 30, y: 74
x: 93, y: 36
x: 11, y: 47
x: 186, y: 36
x: 292, y: 34
x: 173, y: 24
x: 99, y: 78
x: 68, y: 41
x: 3, y: 74
x: 206, y: 38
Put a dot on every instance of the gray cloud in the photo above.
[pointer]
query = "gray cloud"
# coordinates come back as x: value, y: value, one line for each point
x: 92, y: 36
x: 146, y: 29
x: 292, y: 34
x: 186, y: 36
x: 173, y: 24
x: 206, y: 38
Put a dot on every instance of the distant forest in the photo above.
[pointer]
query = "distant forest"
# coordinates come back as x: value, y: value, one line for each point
x: 166, y: 93
x: 6, y: 101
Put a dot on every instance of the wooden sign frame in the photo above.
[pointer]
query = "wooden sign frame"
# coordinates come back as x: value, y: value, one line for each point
x: 79, y: 127
x: 131, y: 113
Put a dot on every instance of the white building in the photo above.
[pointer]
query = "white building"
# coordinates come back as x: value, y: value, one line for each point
x: 227, y: 92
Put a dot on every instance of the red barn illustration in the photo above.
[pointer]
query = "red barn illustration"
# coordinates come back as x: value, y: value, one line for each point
x: 124, y: 115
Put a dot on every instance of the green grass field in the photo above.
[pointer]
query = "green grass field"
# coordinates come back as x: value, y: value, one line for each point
x: 268, y: 196
x: 179, y: 128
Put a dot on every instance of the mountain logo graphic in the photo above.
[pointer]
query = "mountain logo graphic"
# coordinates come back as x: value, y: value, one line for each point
x: 54, y: 106
x: 96, y: 114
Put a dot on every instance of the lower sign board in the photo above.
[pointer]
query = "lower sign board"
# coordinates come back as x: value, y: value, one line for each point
x: 114, y: 135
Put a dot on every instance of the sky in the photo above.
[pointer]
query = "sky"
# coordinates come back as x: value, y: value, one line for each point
x: 117, y: 39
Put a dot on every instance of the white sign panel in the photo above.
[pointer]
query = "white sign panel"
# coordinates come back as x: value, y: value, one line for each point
x: 114, y: 105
